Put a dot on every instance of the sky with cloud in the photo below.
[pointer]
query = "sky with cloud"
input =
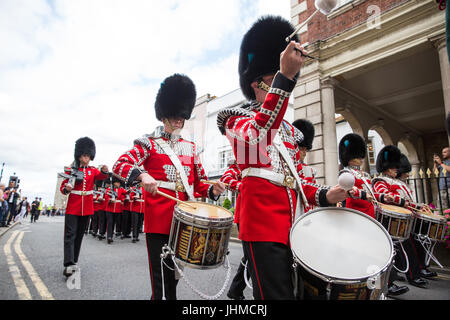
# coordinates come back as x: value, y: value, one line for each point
x: 93, y: 67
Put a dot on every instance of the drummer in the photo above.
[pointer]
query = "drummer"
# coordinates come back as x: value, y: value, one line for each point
x: 171, y: 166
x: 305, y: 145
x: 268, y: 72
x: 414, y: 249
x: 352, y: 151
x: 232, y: 177
x: 387, y: 163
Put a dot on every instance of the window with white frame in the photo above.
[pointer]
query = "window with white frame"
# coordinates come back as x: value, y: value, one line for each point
x: 224, y: 157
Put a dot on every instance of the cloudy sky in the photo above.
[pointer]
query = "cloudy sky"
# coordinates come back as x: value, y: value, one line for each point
x: 92, y: 68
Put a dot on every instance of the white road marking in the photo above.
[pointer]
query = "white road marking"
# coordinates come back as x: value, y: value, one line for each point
x: 21, y: 287
x: 40, y: 286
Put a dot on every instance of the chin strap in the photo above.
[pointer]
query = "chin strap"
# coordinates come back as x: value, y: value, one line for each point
x: 261, y: 85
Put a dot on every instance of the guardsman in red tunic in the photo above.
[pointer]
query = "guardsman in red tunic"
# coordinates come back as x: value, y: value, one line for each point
x: 173, y: 167
x: 387, y: 163
x: 137, y: 210
x: 126, y: 214
x: 352, y: 151
x: 305, y: 145
x: 115, y: 195
x: 98, y: 206
x: 266, y: 151
x: 102, y: 210
x: 232, y: 178
x: 80, y: 204
x: 414, y: 250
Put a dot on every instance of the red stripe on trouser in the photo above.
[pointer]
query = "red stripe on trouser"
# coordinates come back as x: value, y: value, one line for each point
x: 415, y: 252
x: 150, y: 265
x: 256, y: 271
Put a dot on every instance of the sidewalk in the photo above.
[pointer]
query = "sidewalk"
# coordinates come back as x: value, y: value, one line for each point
x: 4, y: 230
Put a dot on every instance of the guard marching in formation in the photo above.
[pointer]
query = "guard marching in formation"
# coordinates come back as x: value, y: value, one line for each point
x: 153, y: 187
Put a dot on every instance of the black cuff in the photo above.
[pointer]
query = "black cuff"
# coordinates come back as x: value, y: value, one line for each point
x: 382, y: 198
x: 323, y: 202
x: 363, y: 195
x: 65, y: 191
x: 283, y: 83
x: 133, y: 176
x: 402, y: 202
x: 211, y: 194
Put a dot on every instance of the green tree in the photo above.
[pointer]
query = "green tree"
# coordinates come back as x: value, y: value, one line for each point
x: 226, y: 204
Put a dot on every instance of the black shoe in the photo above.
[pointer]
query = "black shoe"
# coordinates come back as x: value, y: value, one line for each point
x: 235, y: 297
x: 427, y: 273
x: 419, y: 282
x: 126, y: 237
x: 94, y: 235
x: 67, y: 273
x: 133, y: 241
x: 395, y: 290
x: 137, y: 239
x: 110, y: 241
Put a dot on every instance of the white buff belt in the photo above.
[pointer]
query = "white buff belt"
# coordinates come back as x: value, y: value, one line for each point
x: 176, y: 162
x: 285, y: 154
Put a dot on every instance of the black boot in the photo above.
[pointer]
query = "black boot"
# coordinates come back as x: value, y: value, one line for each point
x: 395, y: 290
x: 425, y: 273
x: 419, y: 282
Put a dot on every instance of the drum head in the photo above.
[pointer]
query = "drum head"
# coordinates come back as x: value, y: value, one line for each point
x: 341, y: 243
x: 395, y: 209
x: 206, y: 210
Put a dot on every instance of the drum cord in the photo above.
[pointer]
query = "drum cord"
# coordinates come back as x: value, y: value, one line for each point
x: 204, y: 296
x: 406, y: 257
x: 428, y: 246
x: 245, y: 275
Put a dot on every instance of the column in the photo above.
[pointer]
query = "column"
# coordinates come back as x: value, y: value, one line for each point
x: 329, y: 132
x: 445, y: 73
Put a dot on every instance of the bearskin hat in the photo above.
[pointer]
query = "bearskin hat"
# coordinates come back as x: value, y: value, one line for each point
x: 404, y: 166
x: 176, y: 98
x: 351, y: 146
x: 388, y: 157
x: 84, y: 145
x: 260, y: 50
x: 307, y: 128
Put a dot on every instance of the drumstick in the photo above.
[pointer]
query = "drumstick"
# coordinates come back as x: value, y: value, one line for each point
x: 213, y: 182
x: 175, y: 199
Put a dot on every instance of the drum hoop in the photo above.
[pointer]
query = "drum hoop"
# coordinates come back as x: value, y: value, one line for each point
x: 332, y: 279
x: 202, y: 221
x: 395, y: 214
x: 431, y: 219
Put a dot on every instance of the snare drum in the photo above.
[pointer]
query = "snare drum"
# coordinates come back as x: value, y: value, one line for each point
x: 396, y: 220
x: 430, y: 225
x: 199, y: 237
x: 342, y: 254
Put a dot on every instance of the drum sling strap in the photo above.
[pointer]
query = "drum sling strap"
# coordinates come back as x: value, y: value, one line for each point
x: 178, y: 166
x: 279, y: 145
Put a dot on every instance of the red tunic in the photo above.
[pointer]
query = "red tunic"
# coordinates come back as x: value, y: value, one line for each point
x: 116, y: 205
x: 128, y: 202
x: 99, y: 203
x: 147, y: 153
x: 83, y: 205
x: 364, y: 186
x: 139, y: 201
x: 266, y: 209
x: 385, y: 185
x: 233, y: 177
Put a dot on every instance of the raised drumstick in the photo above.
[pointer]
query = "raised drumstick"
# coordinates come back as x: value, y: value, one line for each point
x: 213, y: 182
x: 175, y: 199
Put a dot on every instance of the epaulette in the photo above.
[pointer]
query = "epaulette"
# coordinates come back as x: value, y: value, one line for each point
x: 222, y: 117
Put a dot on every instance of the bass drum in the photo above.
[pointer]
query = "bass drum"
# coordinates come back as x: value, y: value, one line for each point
x: 342, y: 254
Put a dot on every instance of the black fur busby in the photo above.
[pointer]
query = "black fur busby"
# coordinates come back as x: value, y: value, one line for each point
x: 84, y: 145
x: 387, y: 158
x: 351, y: 146
x: 176, y: 98
x: 404, y: 166
x: 307, y: 128
x: 260, y: 50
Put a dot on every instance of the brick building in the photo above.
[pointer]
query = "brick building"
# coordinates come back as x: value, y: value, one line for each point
x: 383, y: 66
